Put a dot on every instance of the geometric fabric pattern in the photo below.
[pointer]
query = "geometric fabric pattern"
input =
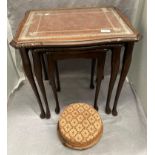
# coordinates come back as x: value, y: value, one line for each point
x: 80, y: 126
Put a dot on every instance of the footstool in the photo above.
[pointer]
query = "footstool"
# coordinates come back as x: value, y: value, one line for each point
x: 80, y: 126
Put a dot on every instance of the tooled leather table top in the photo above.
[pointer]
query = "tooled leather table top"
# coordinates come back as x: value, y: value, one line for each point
x: 73, y: 26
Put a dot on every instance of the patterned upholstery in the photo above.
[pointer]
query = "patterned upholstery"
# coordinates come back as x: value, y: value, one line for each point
x: 80, y: 126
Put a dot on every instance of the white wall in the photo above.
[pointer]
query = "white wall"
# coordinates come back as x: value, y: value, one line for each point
x: 12, y: 75
x: 138, y: 71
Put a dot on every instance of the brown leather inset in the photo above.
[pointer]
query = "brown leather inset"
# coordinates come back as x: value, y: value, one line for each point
x: 73, y: 25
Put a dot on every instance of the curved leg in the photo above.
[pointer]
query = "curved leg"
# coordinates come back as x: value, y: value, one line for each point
x: 51, y: 70
x: 44, y: 66
x: 58, y: 88
x: 115, y: 63
x: 93, y: 64
x: 38, y: 74
x: 100, y: 71
x: 125, y: 68
x: 57, y: 76
x: 29, y: 74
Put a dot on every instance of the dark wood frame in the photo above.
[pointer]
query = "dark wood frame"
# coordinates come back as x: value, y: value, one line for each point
x: 18, y: 45
x: 80, y: 46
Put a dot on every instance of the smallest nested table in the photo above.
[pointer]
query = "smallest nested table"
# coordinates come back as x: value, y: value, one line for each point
x: 74, y: 33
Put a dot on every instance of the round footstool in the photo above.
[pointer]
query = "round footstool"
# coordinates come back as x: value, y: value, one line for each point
x: 80, y: 126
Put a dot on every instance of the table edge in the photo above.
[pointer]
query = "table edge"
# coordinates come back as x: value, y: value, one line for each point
x: 16, y: 44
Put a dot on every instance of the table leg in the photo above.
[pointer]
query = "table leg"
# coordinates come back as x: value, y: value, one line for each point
x: 44, y: 67
x: 51, y: 70
x: 93, y: 64
x: 125, y: 68
x: 115, y: 64
x: 29, y: 74
x: 39, y: 77
x: 57, y: 76
x: 100, y: 76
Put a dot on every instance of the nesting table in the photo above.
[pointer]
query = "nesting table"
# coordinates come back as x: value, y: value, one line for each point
x: 87, y: 33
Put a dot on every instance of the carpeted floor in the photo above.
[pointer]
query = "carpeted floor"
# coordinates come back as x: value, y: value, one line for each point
x: 30, y: 135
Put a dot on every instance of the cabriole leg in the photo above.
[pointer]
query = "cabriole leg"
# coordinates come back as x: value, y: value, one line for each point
x: 125, y: 68
x: 100, y: 75
x: 93, y: 64
x: 51, y: 70
x: 38, y: 74
x: 115, y: 64
x: 29, y: 74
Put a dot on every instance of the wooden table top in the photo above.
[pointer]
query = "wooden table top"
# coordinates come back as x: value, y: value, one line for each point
x: 73, y: 27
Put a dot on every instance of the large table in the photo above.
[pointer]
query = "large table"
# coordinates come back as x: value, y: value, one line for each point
x: 75, y: 33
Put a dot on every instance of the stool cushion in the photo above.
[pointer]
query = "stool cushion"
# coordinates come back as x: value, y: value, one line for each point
x: 80, y: 126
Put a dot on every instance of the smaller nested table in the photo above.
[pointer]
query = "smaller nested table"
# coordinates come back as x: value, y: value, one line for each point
x: 76, y: 33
